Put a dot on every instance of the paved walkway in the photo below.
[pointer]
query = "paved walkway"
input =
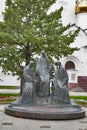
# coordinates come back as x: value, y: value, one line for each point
x: 78, y: 93
x: 13, y: 123
x: 9, y: 90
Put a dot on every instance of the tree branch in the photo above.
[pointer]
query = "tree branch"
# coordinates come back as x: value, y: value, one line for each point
x: 84, y: 30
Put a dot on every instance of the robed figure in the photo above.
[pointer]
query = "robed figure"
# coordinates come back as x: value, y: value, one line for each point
x: 60, y: 83
x: 43, y: 70
x: 29, y: 84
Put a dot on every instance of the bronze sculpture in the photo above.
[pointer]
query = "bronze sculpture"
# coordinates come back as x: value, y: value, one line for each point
x: 60, y: 83
x: 43, y: 70
x: 36, y: 101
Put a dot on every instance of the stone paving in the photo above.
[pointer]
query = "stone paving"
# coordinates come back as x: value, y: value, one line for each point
x: 78, y: 93
x: 13, y: 123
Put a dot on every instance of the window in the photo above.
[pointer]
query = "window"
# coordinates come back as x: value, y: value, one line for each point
x: 70, y: 65
x: 73, y: 77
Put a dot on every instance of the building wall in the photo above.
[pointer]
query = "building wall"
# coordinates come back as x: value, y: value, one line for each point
x: 8, y: 80
x: 82, y: 20
x: 77, y: 76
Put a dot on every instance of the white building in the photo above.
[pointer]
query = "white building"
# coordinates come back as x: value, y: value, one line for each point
x: 74, y: 12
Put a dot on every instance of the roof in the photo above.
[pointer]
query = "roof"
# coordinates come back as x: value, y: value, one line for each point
x: 81, y: 6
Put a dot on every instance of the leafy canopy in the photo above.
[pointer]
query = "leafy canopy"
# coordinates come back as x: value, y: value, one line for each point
x: 27, y: 29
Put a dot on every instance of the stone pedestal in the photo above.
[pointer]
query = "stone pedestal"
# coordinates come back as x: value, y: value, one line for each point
x: 48, y: 112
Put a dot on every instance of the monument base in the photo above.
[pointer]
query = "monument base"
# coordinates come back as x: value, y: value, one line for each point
x: 46, y: 112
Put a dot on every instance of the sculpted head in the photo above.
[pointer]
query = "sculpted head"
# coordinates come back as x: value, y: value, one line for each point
x: 31, y: 63
x: 58, y: 63
x: 43, y: 53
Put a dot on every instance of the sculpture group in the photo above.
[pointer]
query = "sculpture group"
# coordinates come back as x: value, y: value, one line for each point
x: 41, y: 87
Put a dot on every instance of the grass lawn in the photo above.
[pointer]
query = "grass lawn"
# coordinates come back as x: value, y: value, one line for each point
x: 80, y: 100
x: 9, y: 94
x: 79, y: 97
x: 8, y: 87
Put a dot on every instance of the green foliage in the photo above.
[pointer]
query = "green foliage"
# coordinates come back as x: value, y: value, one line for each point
x: 27, y: 29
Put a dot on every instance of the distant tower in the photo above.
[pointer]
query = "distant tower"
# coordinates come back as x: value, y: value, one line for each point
x: 81, y: 11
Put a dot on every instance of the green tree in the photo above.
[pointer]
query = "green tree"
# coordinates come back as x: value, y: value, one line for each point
x: 27, y: 29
